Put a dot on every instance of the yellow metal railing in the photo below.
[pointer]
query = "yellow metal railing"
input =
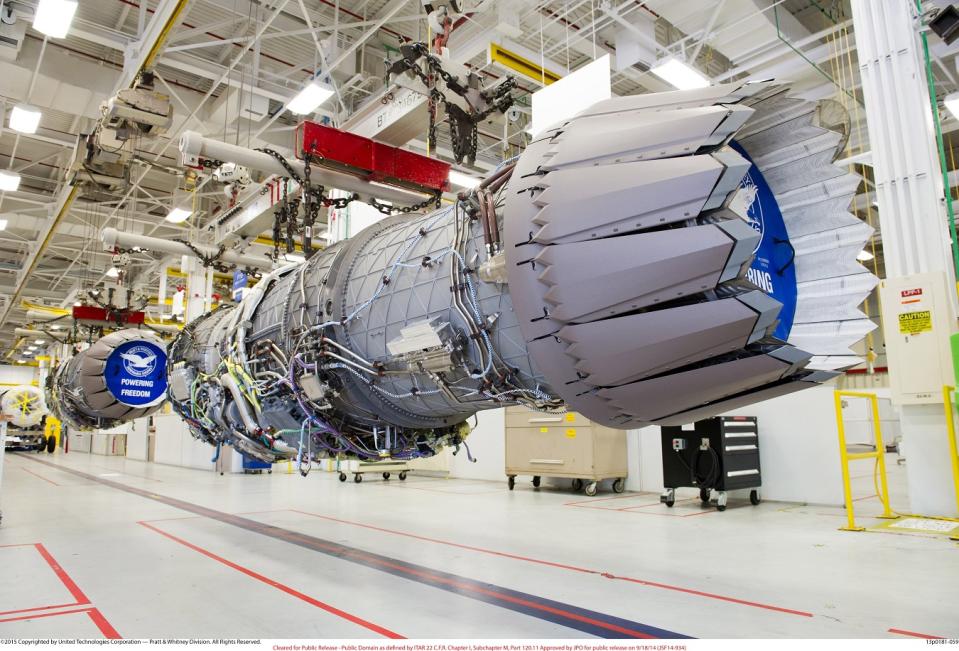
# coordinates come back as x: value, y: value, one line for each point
x: 949, y: 405
x: 879, y: 455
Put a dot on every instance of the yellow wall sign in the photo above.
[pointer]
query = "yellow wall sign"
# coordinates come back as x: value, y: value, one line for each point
x: 913, y: 323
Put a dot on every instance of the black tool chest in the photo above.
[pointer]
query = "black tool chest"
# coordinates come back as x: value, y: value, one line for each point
x: 717, y: 454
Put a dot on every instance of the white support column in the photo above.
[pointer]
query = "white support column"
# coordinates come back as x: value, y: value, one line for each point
x: 912, y: 211
x: 196, y: 288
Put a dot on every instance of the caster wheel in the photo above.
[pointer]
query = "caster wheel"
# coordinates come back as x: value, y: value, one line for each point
x: 577, y: 484
x: 754, y: 497
x: 403, y: 476
x: 357, y: 478
x: 619, y: 485
x: 511, y: 482
x: 591, y: 488
x: 536, y: 482
x: 670, y: 501
x: 386, y: 476
x: 704, y: 495
x: 269, y: 472
x: 342, y: 476
x: 721, y: 500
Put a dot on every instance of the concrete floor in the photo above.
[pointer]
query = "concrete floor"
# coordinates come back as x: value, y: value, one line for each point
x: 138, y: 550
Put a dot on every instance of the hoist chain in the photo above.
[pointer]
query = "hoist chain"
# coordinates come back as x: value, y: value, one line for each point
x: 463, y: 124
x: 208, y: 260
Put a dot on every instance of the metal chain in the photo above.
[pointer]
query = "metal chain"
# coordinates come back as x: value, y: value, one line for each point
x: 464, y: 143
x: 209, y: 163
x: 208, y: 260
x: 387, y: 209
x: 290, y: 172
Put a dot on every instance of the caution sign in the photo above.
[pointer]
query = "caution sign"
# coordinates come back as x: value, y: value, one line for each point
x: 913, y: 323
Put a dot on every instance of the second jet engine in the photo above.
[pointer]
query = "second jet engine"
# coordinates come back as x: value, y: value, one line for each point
x: 120, y: 377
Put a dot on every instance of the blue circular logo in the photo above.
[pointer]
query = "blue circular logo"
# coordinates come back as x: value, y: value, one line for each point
x: 747, y: 204
x: 135, y: 373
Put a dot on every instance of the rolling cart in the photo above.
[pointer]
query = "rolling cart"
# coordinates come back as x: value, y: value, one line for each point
x: 714, y: 455
x: 565, y: 446
x: 253, y: 466
x: 385, y: 468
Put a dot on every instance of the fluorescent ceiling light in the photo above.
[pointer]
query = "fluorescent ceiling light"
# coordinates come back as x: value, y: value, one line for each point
x: 55, y: 327
x: 9, y: 181
x: 113, y: 272
x: 679, y: 74
x: 178, y: 215
x: 464, y: 180
x: 310, y: 98
x: 3, y: 224
x: 53, y: 17
x: 40, y: 342
x: 952, y: 103
x: 24, y: 119
x: 864, y: 256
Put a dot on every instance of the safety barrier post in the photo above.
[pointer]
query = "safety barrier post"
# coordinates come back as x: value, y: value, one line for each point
x: 845, y: 457
x: 52, y: 427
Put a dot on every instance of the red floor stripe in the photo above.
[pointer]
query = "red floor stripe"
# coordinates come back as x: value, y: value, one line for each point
x: 899, y: 631
x: 628, y: 511
x: 434, y: 578
x: 30, y: 610
x: 279, y: 586
x: 605, y: 499
x: 101, y: 622
x: 39, y: 476
x: 41, y: 615
x: 572, y: 568
x: 64, y: 578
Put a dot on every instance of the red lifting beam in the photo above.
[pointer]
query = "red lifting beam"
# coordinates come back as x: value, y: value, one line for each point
x: 377, y: 162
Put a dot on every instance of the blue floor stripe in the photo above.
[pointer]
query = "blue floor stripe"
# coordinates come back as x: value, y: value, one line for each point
x: 574, y: 617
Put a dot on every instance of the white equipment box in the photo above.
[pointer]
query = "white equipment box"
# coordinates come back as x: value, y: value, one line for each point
x: 918, y: 319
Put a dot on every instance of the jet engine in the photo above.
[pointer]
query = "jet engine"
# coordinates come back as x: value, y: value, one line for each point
x: 23, y: 405
x: 121, y: 376
x: 612, y: 270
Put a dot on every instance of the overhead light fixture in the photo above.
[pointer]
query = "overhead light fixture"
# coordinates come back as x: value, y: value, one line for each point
x: 53, y: 17
x: 40, y: 342
x: 24, y: 119
x: 55, y: 327
x: 178, y: 215
x: 3, y: 224
x: 679, y: 74
x: 464, y: 180
x: 865, y: 256
x: 310, y: 98
x: 113, y: 272
x: 9, y: 181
